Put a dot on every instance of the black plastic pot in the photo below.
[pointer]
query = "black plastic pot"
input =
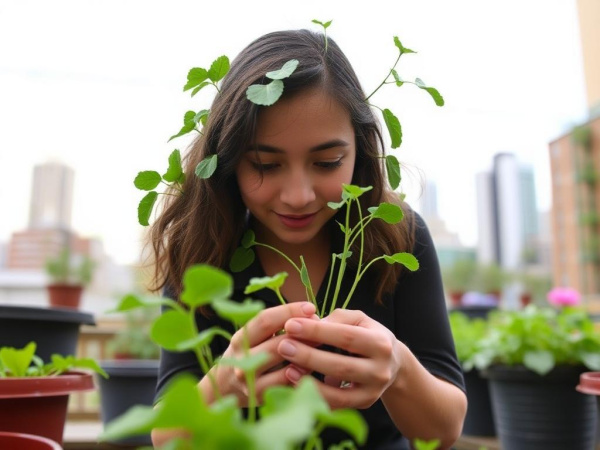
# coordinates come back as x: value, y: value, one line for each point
x: 131, y: 382
x: 54, y: 330
x: 479, y: 420
x: 474, y: 312
x: 534, y: 412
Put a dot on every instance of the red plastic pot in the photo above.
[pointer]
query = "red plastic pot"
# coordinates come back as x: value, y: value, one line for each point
x: 21, y: 441
x: 38, y: 405
x: 65, y: 295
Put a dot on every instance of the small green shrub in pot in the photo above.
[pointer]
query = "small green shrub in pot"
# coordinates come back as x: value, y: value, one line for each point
x: 134, y: 342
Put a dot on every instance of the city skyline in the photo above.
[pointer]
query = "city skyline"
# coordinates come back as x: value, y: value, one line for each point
x: 105, y: 102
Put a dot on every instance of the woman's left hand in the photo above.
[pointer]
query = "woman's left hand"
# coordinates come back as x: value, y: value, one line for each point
x: 370, y: 368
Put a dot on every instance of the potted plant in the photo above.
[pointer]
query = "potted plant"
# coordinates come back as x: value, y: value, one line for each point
x: 23, y: 441
x: 538, y: 354
x: 69, y: 275
x: 468, y: 333
x: 535, y: 288
x: 133, y: 371
x: 458, y: 279
x: 34, y: 394
x: 490, y: 279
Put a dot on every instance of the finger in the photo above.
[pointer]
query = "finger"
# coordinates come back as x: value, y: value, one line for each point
x: 343, y: 367
x: 270, y: 321
x: 276, y: 378
x: 353, y: 396
x: 354, y: 339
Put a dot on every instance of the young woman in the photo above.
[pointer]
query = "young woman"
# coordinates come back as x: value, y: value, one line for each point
x: 278, y: 168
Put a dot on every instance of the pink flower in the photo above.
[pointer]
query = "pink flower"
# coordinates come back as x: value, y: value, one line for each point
x: 564, y: 296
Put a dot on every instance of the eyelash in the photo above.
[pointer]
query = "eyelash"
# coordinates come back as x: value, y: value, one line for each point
x: 325, y: 165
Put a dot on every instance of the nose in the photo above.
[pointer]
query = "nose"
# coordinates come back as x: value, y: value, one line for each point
x: 298, y: 191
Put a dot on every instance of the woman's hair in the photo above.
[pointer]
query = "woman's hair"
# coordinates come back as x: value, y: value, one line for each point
x: 206, y: 222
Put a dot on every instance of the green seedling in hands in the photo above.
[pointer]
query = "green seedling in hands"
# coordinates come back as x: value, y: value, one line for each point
x: 24, y: 363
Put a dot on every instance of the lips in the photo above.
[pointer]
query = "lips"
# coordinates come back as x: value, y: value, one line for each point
x: 296, y: 220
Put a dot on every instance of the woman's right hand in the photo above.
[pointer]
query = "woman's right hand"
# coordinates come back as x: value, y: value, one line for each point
x: 261, y: 334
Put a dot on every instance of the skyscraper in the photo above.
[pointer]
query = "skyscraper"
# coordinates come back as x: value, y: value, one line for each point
x: 51, y: 197
x: 507, y: 213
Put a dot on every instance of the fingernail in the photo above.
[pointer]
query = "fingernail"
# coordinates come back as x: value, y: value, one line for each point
x: 293, y: 374
x: 293, y: 326
x: 308, y: 309
x: 287, y: 348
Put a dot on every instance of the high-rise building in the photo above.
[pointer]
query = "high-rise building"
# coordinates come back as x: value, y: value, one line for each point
x: 507, y: 213
x: 589, y: 18
x: 51, y: 197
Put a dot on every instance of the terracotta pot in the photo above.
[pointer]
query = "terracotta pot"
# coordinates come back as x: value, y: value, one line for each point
x: 65, y: 295
x: 456, y: 297
x: 21, y: 441
x: 38, y: 405
x: 525, y: 299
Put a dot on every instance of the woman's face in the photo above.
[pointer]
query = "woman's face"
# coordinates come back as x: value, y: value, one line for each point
x: 306, y: 149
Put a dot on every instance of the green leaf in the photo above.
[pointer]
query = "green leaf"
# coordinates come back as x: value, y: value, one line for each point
x: 175, y: 170
x: 203, y: 284
x: 265, y: 94
x: 304, y: 274
x: 343, y: 255
x: 393, y: 171
x: 195, y: 77
x: 219, y: 68
x: 286, y: 70
x: 387, y: 212
x: 202, y: 339
x: 426, y: 445
x: 88, y: 363
x: 238, y: 313
x: 273, y: 283
x: 324, y: 25
x: 591, y: 360
x: 202, y: 116
x: 402, y: 49
x: 137, y: 420
x: 334, y: 205
x: 247, y: 363
x: 437, y: 98
x: 188, y: 125
x: 131, y: 301
x: 200, y: 87
x: 172, y: 328
x: 242, y: 258
x: 399, y: 81
x: 206, y: 167
x: 145, y: 207
x: 17, y: 361
x: 348, y: 420
x: 353, y: 192
x: 248, y: 239
x: 540, y: 361
x: 342, y: 227
x: 147, y: 180
x: 406, y: 259
x: 394, y: 128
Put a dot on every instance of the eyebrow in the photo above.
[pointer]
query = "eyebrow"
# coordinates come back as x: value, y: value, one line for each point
x: 317, y: 148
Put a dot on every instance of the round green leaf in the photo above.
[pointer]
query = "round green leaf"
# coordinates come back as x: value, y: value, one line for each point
x: 145, y: 207
x: 349, y: 420
x: 195, y: 76
x: 147, y: 180
x: 406, y: 259
x: 286, y: 70
x: 241, y: 259
x: 202, y: 339
x: 206, y: 167
x: 172, y: 328
x: 248, y: 240
x: 399, y: 81
x: 394, y: 128
x: 393, y: 171
x: 353, y: 192
x: 175, y: 170
x: 402, y: 49
x: 188, y: 125
x: 219, y: 68
x: 273, y: 283
x: 334, y: 205
x: 437, y: 98
x: 203, y: 284
x: 387, y: 212
x: 247, y: 363
x: 200, y: 86
x: 238, y: 313
x: 540, y: 361
x: 265, y: 94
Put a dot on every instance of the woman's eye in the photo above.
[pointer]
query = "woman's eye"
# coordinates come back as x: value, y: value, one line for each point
x: 263, y: 167
x: 329, y: 164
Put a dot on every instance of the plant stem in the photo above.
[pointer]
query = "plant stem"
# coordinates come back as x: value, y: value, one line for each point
x: 279, y: 296
x: 344, y: 257
x: 361, y: 233
x: 312, y: 440
x: 250, y: 381
x: 323, y: 309
x: 385, y: 79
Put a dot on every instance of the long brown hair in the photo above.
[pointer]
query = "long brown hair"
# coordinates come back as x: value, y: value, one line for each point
x: 205, y: 223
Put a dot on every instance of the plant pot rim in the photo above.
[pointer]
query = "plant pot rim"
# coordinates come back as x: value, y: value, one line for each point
x: 518, y: 372
x: 46, y: 314
x: 52, y: 445
x: 131, y: 367
x: 65, y: 285
x: 589, y: 383
x: 51, y: 386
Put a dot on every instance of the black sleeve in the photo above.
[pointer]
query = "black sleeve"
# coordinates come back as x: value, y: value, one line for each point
x: 173, y: 363
x: 421, y: 315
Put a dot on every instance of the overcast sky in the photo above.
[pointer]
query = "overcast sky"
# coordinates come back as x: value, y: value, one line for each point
x: 97, y: 85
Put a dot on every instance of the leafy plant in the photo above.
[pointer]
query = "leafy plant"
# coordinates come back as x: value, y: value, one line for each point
x: 468, y: 334
x: 64, y: 270
x: 539, y: 339
x: 221, y: 424
x: 134, y: 340
x: 459, y: 277
x: 17, y: 363
x: 490, y: 278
